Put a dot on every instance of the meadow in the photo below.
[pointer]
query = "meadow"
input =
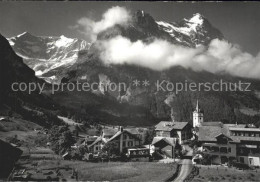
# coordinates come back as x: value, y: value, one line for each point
x: 221, y: 173
x: 109, y: 171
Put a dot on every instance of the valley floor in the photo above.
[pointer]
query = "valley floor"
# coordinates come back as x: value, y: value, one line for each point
x: 86, y: 171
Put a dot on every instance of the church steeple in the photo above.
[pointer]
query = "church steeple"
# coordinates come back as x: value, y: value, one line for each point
x: 197, y: 116
x: 197, y: 106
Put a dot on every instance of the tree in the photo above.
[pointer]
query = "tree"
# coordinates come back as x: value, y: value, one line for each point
x: 206, y: 158
x: 110, y: 148
x: 66, y: 140
x: 61, y: 139
x: 150, y: 134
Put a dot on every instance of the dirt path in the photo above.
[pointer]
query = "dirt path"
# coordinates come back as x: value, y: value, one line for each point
x: 186, y: 166
x: 69, y: 121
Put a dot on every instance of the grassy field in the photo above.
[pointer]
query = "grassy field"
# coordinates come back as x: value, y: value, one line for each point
x: 38, y: 162
x: 226, y: 174
x: 111, y: 171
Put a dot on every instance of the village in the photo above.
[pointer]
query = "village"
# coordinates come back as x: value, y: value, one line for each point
x: 204, y: 143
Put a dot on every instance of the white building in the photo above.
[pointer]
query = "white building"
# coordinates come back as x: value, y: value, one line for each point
x: 197, y: 116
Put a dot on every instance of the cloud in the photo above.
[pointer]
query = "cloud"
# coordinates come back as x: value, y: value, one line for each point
x: 219, y: 56
x: 115, y: 15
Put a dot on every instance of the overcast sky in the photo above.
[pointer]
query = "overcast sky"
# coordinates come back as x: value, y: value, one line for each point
x: 238, y: 21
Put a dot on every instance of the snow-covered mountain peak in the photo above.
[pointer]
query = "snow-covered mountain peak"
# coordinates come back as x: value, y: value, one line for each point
x: 47, y: 54
x: 196, y: 20
x: 64, y: 41
x: 192, y: 31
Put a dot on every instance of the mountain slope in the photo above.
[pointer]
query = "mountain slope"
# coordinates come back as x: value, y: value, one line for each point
x: 12, y: 67
x: 33, y: 106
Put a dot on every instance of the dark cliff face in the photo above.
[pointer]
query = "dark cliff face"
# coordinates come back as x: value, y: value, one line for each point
x: 12, y: 67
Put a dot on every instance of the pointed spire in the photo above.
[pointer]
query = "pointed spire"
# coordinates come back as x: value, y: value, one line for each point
x: 197, y: 106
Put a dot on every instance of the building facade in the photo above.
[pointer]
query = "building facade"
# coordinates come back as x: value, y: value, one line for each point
x: 172, y: 129
x: 122, y: 139
x: 226, y: 143
x: 248, y: 149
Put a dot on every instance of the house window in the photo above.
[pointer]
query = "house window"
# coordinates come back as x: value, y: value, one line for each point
x: 215, y: 149
x: 251, y: 161
x: 125, y: 137
x: 123, y: 144
x: 162, y: 133
x: 96, y: 147
x: 130, y: 144
x: 223, y: 149
x: 130, y: 137
x: 229, y: 149
x: 252, y: 134
x: 242, y: 160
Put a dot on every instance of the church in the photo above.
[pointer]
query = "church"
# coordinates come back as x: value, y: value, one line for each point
x: 197, y: 116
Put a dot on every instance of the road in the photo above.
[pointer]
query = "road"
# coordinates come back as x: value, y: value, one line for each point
x: 186, y: 166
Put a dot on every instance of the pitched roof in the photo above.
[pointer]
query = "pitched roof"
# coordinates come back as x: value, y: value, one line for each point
x: 121, y: 132
x: 91, y: 138
x: 212, y: 123
x: 235, y: 125
x: 211, y: 132
x: 243, y: 129
x: 110, y: 131
x: 170, y: 125
x: 243, y: 138
x: 134, y: 131
x: 168, y: 140
x: 99, y: 139
x: 92, y: 132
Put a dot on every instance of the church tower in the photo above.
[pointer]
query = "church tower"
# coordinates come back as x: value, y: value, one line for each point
x: 197, y: 116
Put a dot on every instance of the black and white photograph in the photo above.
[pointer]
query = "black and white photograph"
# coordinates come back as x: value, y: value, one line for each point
x: 129, y: 91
